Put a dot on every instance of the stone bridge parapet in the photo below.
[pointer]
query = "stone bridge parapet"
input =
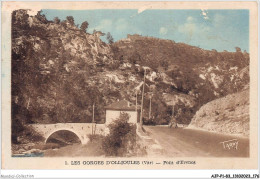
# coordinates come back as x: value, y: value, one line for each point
x: 82, y: 130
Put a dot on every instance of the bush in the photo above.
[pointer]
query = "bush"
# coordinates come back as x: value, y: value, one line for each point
x: 70, y: 19
x: 56, y: 20
x: 84, y: 26
x: 121, y: 140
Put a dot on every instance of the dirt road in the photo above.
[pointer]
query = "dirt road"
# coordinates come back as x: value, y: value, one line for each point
x: 183, y: 142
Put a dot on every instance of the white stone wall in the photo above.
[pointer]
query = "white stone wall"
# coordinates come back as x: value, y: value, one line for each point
x: 112, y: 115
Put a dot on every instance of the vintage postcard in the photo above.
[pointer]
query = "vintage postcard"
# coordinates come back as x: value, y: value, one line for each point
x: 129, y: 85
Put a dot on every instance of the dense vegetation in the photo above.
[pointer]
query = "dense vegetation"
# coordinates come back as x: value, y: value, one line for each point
x: 184, y: 63
x: 121, y: 140
x: 47, y: 79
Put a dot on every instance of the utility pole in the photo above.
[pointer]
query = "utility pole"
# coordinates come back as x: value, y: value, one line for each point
x: 150, y: 109
x: 136, y: 108
x: 136, y: 101
x: 141, y: 116
x: 93, y: 118
x: 172, y: 108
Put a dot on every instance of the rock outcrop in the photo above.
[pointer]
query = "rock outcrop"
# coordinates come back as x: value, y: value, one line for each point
x: 227, y: 115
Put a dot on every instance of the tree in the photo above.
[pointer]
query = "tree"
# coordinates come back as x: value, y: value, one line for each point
x: 238, y: 49
x: 63, y: 24
x: 56, y: 20
x: 121, y: 140
x: 135, y: 58
x: 41, y: 17
x: 70, y: 19
x: 110, y: 38
x: 84, y: 26
x: 165, y: 64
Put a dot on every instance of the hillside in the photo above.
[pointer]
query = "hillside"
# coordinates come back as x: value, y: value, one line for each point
x: 204, y: 74
x: 51, y: 65
x: 59, y: 71
x: 229, y: 115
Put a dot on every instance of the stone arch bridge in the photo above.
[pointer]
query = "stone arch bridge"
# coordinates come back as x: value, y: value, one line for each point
x: 82, y: 130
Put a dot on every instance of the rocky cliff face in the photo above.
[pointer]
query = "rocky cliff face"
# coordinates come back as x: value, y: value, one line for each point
x: 52, y: 69
x: 204, y: 74
x: 229, y: 115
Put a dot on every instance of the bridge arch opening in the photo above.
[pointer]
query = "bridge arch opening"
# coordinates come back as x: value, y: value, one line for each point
x: 63, y: 137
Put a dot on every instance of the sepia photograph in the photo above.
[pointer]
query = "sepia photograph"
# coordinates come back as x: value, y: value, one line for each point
x: 130, y: 83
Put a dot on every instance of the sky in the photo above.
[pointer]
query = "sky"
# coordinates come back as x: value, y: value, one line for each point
x: 207, y: 29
